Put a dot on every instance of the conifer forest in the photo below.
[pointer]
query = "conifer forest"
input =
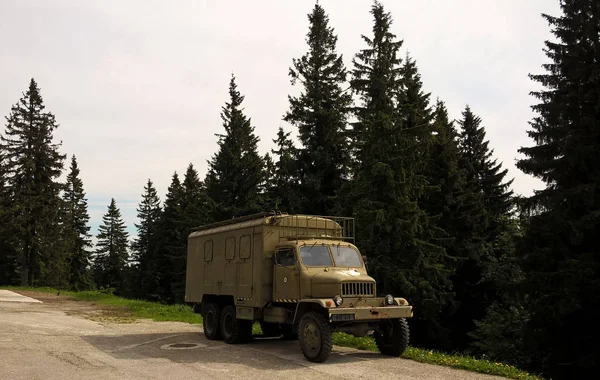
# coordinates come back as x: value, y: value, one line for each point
x: 514, y: 278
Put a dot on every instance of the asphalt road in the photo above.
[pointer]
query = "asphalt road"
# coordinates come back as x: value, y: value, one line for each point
x: 61, y: 339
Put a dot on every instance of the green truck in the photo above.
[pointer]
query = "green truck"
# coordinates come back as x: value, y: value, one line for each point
x: 300, y: 276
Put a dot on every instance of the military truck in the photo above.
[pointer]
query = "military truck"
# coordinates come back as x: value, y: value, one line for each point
x: 300, y: 276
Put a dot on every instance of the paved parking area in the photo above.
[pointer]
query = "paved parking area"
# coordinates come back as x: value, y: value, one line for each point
x: 56, y: 340
x: 10, y: 296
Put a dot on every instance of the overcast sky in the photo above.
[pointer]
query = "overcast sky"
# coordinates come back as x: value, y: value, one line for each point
x: 137, y: 86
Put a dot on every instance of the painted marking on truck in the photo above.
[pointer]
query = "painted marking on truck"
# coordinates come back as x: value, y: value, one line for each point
x: 244, y: 299
x: 286, y: 300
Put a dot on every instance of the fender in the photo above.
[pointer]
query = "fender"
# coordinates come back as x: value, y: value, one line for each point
x: 321, y: 302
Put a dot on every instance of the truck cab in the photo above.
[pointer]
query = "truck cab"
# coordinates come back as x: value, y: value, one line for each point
x: 319, y: 268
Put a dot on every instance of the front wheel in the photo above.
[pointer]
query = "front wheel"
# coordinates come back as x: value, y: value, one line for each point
x: 314, y: 335
x: 392, y: 337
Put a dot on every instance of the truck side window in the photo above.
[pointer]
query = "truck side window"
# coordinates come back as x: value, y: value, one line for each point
x: 245, y: 247
x: 208, y: 250
x: 285, y: 257
x: 230, y: 248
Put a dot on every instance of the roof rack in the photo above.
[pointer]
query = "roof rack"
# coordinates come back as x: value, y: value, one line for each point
x: 239, y: 219
x: 301, y: 226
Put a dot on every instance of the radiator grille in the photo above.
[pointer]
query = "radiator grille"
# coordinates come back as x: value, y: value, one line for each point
x: 358, y: 289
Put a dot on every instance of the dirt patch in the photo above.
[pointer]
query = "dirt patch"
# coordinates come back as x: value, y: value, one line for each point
x: 87, y: 309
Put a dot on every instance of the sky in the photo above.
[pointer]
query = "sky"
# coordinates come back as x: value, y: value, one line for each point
x: 137, y: 86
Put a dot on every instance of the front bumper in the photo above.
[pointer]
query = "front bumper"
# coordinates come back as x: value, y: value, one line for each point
x: 348, y: 314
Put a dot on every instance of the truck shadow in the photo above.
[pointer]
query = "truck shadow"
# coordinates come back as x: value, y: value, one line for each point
x: 190, y: 348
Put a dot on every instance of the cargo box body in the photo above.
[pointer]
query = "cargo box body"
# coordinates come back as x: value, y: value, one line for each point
x: 236, y: 259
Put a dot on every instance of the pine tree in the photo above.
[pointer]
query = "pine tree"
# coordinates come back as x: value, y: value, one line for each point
x: 484, y: 173
x: 171, y: 242
x: 8, y: 258
x: 268, y: 188
x: 284, y: 193
x: 394, y: 232
x: 414, y: 109
x: 499, y: 335
x: 33, y: 164
x: 111, y: 257
x: 195, y: 204
x: 76, y: 236
x: 194, y: 212
x: 236, y: 171
x: 145, y: 245
x: 457, y: 211
x: 320, y: 113
x: 559, y: 251
x: 491, y: 202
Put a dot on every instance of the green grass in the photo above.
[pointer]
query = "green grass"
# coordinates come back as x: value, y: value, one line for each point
x: 143, y: 309
x: 137, y: 308
x: 183, y: 313
x: 432, y: 357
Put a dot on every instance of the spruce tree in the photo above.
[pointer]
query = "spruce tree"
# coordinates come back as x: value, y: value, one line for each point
x: 195, y: 204
x: 171, y: 242
x: 33, y: 164
x: 320, y: 113
x: 285, y: 194
x: 268, y: 190
x: 111, y: 257
x: 145, y: 245
x: 457, y: 210
x: 491, y: 203
x: 8, y: 259
x: 76, y: 236
x: 393, y: 231
x: 236, y: 172
x: 414, y: 109
x: 559, y: 250
x: 484, y: 173
x: 499, y: 335
x: 194, y: 212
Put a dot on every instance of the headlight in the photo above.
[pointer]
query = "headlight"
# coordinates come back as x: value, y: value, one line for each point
x: 389, y: 299
x: 338, y: 300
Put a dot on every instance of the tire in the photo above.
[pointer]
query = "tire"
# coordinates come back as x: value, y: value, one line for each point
x: 314, y: 335
x: 270, y: 329
x: 392, y: 337
x: 234, y: 330
x: 211, y: 321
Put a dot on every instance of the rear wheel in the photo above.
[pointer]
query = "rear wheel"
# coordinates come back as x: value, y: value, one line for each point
x: 211, y: 321
x: 234, y: 330
x: 392, y: 337
x: 314, y: 335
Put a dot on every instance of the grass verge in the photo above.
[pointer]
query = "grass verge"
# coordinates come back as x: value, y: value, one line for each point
x: 136, y: 308
x: 184, y: 313
x: 432, y: 357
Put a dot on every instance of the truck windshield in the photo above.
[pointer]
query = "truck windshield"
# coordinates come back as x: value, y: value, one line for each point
x: 345, y: 256
x: 319, y: 256
x: 315, y: 256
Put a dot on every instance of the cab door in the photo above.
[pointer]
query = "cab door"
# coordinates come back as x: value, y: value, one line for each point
x: 286, y: 276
